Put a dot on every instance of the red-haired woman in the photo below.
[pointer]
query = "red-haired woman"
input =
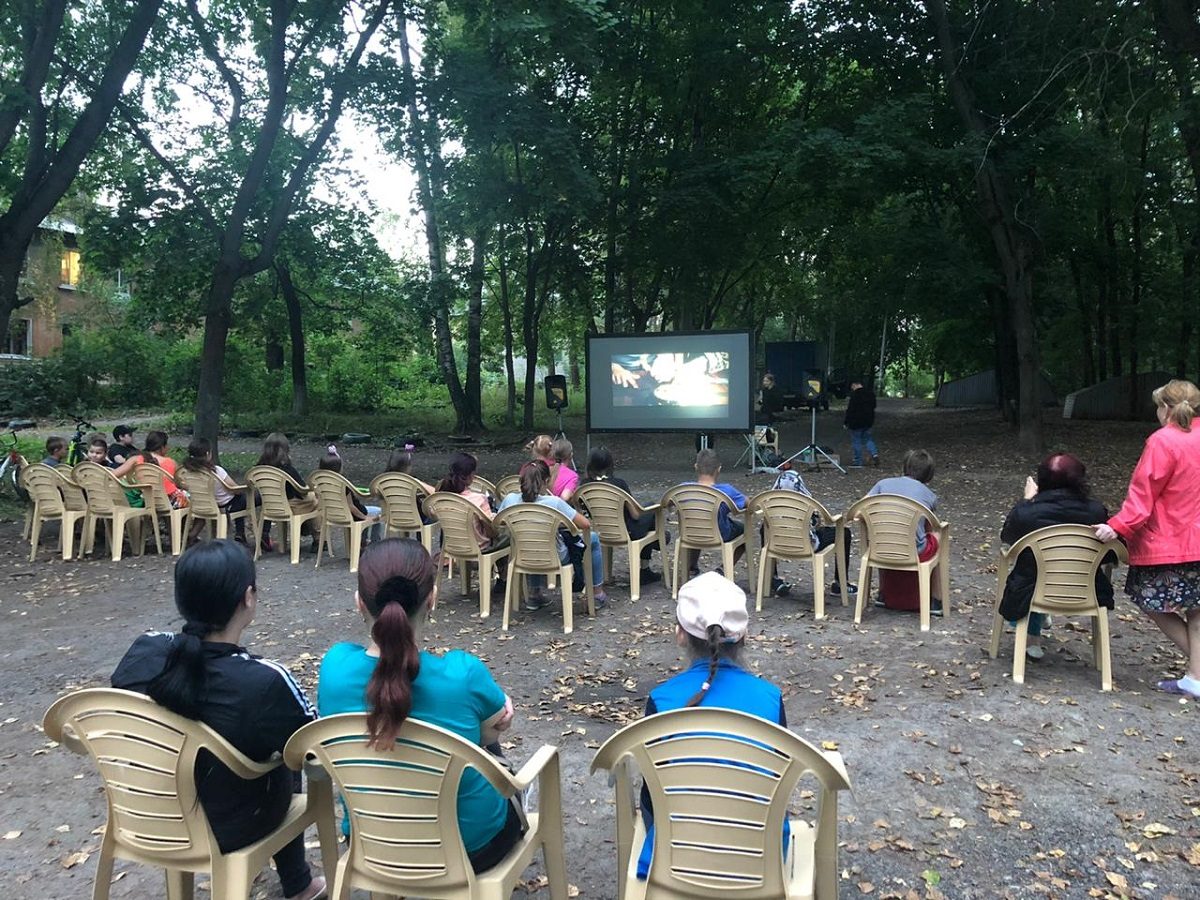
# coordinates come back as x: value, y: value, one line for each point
x: 393, y: 678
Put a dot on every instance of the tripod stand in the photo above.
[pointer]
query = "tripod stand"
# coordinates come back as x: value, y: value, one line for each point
x: 813, y: 451
x: 560, y: 433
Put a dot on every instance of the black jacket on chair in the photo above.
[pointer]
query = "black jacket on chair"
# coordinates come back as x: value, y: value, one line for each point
x: 1054, y: 507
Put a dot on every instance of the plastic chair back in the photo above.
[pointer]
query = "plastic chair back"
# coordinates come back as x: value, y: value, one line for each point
x: 146, y: 756
x: 605, y: 505
x: 145, y: 472
x: 271, y: 484
x: 73, y: 496
x: 104, y: 491
x: 457, y: 517
x: 202, y: 496
x: 332, y: 499
x: 534, y: 531
x: 402, y: 802
x: 787, y: 521
x: 890, y: 522
x: 1068, y: 557
x: 509, y: 484
x: 697, y: 506
x: 720, y: 782
x: 401, y: 496
x: 42, y: 483
x: 483, y: 486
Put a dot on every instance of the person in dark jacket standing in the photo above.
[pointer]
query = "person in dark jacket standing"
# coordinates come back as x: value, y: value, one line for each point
x: 860, y: 417
x: 1059, y: 496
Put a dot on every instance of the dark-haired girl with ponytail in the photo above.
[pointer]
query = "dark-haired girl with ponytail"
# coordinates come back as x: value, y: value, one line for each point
x: 204, y: 673
x: 392, y: 678
x: 712, y: 621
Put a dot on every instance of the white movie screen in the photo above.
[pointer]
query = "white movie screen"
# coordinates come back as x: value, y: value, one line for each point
x: 670, y: 381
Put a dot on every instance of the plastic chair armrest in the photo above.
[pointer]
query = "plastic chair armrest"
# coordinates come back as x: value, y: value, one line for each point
x: 533, y: 769
x: 71, y: 741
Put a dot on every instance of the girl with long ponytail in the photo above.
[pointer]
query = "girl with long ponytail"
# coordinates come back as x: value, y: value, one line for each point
x: 392, y: 679
x: 204, y: 673
x: 711, y: 624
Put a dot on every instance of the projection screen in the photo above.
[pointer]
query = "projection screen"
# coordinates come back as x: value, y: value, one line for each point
x: 670, y: 381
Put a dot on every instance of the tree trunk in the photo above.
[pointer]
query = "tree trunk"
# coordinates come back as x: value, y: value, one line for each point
x: 217, y: 321
x: 474, y: 390
x: 1085, y: 325
x: 1013, y: 244
x: 423, y: 144
x: 510, y: 410
x: 1135, y: 295
x: 291, y: 300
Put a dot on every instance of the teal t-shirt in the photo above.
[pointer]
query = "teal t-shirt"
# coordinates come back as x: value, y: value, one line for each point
x: 455, y: 692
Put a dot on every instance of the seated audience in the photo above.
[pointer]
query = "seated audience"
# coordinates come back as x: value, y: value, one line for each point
x: 600, y: 468
x: 1059, y: 496
x: 458, y: 480
x: 712, y: 623
x: 204, y: 674
x: 56, y: 451
x: 900, y: 589
x: 277, y: 452
x: 332, y: 462
x: 98, y: 453
x: 708, y: 470
x: 540, y: 448
x: 535, y: 480
x: 401, y: 461
x: 122, y: 447
x: 229, y: 500
x: 392, y: 678
x: 156, y: 454
x: 563, y: 477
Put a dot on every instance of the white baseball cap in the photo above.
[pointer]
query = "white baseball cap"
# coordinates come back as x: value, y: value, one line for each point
x: 712, y: 599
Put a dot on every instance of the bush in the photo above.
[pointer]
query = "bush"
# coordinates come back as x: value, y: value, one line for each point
x: 34, y: 388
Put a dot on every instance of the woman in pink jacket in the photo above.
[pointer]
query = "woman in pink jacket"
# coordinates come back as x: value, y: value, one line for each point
x: 1160, y: 522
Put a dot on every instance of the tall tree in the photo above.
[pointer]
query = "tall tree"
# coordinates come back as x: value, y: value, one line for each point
x: 45, y: 133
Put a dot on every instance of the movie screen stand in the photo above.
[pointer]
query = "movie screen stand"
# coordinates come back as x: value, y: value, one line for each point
x: 813, y: 454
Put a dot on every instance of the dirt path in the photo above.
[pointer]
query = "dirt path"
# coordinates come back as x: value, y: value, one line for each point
x: 961, y: 779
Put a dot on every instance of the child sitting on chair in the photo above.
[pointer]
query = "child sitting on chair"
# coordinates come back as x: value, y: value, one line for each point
x: 712, y: 623
x: 540, y: 448
x: 332, y: 462
x: 56, y: 451
x: 899, y: 589
x: 600, y: 469
x: 98, y: 453
x: 564, y: 480
x: 708, y: 469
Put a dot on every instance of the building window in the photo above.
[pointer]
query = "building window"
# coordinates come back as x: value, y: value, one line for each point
x: 19, y: 340
x: 70, y: 269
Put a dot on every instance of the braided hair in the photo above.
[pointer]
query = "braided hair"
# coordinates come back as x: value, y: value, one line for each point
x: 716, y: 648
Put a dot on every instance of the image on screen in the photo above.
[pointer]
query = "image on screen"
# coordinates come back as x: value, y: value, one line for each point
x: 669, y: 381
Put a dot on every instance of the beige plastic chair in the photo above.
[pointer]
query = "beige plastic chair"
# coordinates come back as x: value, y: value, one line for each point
x: 146, y: 756
x: 45, y: 487
x: 721, y: 782
x: 107, y: 503
x: 458, y: 517
x: 1067, y: 557
x: 606, y: 505
x: 271, y: 484
x: 509, y: 484
x: 202, y: 502
x: 696, y: 507
x: 157, y: 476
x: 761, y: 433
x: 483, y: 486
x: 401, y: 497
x: 888, y: 525
x: 402, y: 802
x: 533, y: 529
x: 787, y: 527
x: 334, y: 509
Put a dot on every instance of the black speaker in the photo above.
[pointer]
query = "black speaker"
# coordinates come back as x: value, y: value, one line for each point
x: 556, y: 391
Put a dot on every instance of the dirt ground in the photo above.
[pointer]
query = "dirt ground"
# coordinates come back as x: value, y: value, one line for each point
x: 965, y: 785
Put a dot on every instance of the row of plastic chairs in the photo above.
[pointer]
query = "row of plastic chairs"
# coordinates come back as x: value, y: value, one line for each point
x: 720, y: 783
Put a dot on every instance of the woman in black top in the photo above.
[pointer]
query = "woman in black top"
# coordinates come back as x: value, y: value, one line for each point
x: 277, y: 452
x: 600, y: 468
x: 1059, y: 496
x: 205, y: 674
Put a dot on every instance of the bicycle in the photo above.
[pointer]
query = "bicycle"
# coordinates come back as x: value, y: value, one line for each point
x: 77, y: 448
x: 10, y: 466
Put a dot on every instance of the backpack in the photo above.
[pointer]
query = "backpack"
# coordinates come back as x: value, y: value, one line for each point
x: 791, y: 480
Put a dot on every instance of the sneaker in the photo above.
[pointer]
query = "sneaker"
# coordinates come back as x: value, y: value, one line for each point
x: 268, y: 545
x: 836, y: 590
x: 779, y: 587
x: 649, y: 576
x: 935, y: 608
x: 875, y: 461
x: 316, y: 890
x: 536, y: 601
x: 599, y: 600
x: 879, y: 602
x: 1035, y: 652
x: 855, y: 465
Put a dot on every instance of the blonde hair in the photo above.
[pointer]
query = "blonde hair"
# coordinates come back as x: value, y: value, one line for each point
x: 1182, y: 400
x: 539, y: 447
